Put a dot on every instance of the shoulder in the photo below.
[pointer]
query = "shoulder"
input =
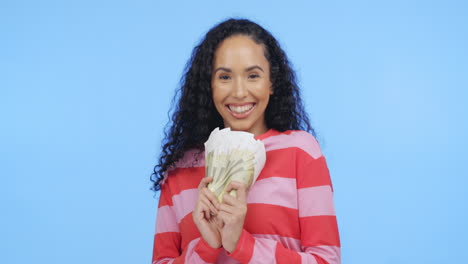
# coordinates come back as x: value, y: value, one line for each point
x: 298, y: 139
x: 192, y: 162
x: 191, y: 158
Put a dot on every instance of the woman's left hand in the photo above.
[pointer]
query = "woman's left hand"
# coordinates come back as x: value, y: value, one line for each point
x: 232, y: 214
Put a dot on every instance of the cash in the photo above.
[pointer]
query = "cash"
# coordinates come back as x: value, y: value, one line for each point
x: 232, y: 156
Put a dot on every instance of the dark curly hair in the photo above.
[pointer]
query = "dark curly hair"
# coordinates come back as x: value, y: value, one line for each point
x: 195, y: 116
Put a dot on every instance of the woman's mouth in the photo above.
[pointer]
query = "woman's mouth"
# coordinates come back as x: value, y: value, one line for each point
x: 240, y: 111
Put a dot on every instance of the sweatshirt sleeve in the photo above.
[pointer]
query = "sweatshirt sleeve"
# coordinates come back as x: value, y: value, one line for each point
x: 320, y: 241
x: 167, y: 239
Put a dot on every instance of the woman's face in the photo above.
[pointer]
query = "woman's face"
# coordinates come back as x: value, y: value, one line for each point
x: 241, y: 84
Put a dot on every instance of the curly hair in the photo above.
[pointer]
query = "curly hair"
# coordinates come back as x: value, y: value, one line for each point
x: 195, y: 116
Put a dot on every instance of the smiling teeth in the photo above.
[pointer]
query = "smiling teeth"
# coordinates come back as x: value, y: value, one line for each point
x: 240, y: 109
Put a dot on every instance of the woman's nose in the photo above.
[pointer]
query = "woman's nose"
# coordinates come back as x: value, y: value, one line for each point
x: 240, y: 89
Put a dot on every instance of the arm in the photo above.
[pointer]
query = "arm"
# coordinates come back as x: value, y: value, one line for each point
x: 319, y: 240
x: 319, y: 229
x: 167, y: 240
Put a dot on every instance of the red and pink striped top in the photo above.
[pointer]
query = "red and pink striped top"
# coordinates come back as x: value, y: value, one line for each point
x: 290, y: 216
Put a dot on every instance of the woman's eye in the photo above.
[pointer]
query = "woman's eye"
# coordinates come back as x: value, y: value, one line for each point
x: 224, y: 77
x: 254, y: 76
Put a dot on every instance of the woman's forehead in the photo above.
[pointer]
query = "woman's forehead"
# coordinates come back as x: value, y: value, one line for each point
x: 239, y: 51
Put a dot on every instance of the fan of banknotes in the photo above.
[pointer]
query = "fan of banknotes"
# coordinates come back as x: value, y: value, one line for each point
x: 232, y: 156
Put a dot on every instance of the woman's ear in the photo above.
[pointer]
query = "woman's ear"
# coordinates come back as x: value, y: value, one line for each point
x: 271, y: 90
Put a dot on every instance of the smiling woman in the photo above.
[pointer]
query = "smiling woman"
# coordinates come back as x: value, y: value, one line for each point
x: 239, y: 77
x: 241, y: 84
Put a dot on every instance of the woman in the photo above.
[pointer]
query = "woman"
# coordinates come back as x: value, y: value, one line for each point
x: 239, y: 77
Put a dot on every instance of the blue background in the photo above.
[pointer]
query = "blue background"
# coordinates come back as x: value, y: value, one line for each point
x: 85, y: 87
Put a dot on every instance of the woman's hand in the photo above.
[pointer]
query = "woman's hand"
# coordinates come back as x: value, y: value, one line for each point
x: 205, y: 213
x: 231, y: 215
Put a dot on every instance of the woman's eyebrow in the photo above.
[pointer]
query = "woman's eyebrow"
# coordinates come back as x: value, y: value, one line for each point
x: 247, y: 69
x: 222, y: 69
x: 254, y: 67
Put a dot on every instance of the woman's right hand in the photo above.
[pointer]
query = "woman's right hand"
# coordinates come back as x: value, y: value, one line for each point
x: 205, y: 213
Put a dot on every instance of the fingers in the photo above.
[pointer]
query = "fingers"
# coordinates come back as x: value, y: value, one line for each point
x: 207, y: 201
x: 222, y: 218
x: 229, y: 200
x: 211, y: 197
x: 218, y: 222
x: 229, y: 215
x: 202, y: 209
x: 209, y: 205
x: 241, y: 189
x: 205, y: 210
x: 227, y: 208
x: 206, y: 192
x: 206, y: 214
x: 204, y: 182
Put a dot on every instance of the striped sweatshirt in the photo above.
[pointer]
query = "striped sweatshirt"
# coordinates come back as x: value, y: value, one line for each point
x: 290, y: 212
